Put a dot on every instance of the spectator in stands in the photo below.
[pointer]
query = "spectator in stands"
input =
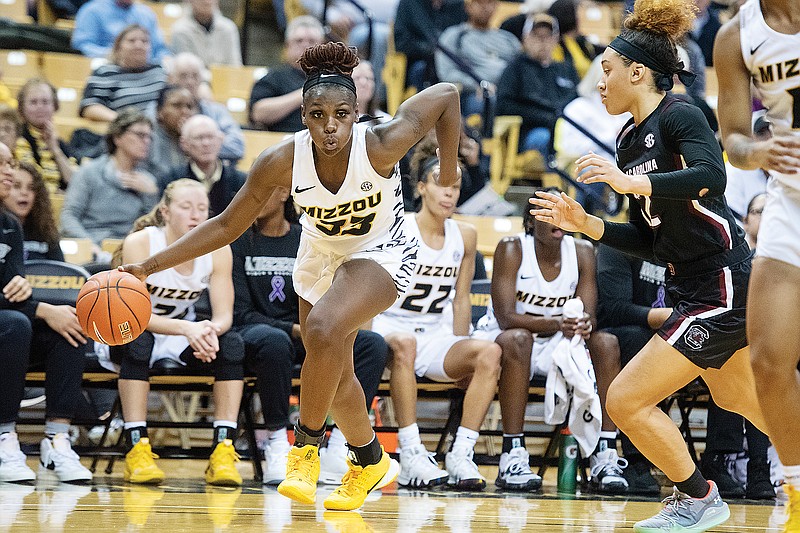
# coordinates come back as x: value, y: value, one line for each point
x: 201, y: 140
x: 174, y: 335
x: 106, y: 195
x: 29, y: 201
x: 35, y: 333
x: 10, y: 126
x: 276, y: 98
x: 206, y: 33
x: 417, y: 28
x: 175, y: 105
x: 128, y: 80
x: 38, y: 143
x: 186, y: 70
x: 66, y: 9
x: 534, y: 274
x: 569, y: 143
x: 536, y: 87
x: 482, y: 53
x: 428, y: 330
x: 99, y: 23
x: 573, y: 47
x: 705, y: 28
x: 364, y: 76
x: 266, y: 315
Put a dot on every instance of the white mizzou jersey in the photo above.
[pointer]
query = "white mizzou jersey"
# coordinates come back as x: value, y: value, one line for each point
x: 535, y: 295
x: 172, y: 294
x: 365, y: 213
x: 773, y: 60
x: 428, y: 301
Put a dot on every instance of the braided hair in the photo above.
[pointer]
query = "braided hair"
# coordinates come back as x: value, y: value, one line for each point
x: 327, y: 59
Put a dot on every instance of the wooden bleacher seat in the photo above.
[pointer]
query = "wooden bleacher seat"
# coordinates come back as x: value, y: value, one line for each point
x: 502, y: 150
x: 16, y: 10
x: 234, y: 82
x: 18, y: 66
x: 504, y: 11
x: 491, y: 230
x: 69, y: 101
x: 77, y: 251
x: 255, y: 142
x: 167, y: 13
x: 68, y: 70
x: 599, y: 22
x: 110, y: 245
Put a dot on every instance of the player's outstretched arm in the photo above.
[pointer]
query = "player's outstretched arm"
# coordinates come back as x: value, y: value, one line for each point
x: 435, y: 107
x: 566, y: 213
x: 778, y: 153
x: 272, y: 169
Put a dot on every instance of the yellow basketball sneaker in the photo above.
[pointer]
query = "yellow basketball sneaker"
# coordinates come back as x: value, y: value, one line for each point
x: 140, y: 465
x: 302, y: 473
x: 792, y: 510
x: 360, y: 481
x: 221, y: 469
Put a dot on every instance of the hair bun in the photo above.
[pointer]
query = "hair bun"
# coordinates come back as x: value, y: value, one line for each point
x: 329, y: 58
x: 669, y: 17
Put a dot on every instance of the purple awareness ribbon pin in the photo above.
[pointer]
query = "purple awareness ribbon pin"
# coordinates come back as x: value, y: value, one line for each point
x: 277, y: 289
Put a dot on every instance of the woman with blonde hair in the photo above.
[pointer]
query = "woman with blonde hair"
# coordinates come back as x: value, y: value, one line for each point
x: 175, y: 334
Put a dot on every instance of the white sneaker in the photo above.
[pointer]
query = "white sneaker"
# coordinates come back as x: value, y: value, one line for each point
x: 57, y: 456
x: 275, y: 455
x: 332, y: 464
x: 115, y: 427
x: 419, y: 469
x: 463, y: 471
x: 12, y: 460
x: 515, y: 472
x: 606, y: 472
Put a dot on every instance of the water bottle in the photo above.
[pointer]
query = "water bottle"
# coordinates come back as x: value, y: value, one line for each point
x: 568, y: 463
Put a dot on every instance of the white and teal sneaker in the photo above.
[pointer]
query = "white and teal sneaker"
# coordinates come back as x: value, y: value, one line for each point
x: 684, y: 514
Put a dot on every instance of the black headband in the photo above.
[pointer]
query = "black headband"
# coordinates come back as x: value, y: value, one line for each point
x: 336, y: 79
x: 426, y: 166
x: 661, y: 73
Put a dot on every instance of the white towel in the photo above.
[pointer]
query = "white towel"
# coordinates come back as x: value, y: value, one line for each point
x: 572, y: 388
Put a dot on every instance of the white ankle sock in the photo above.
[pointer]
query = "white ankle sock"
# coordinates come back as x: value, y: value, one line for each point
x: 791, y: 475
x: 408, y: 437
x: 337, y: 438
x: 465, y: 439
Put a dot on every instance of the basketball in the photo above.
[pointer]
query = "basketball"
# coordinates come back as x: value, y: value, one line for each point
x: 113, y: 307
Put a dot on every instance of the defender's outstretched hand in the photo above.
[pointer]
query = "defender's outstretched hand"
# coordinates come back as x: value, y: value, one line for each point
x: 561, y: 211
x: 593, y: 168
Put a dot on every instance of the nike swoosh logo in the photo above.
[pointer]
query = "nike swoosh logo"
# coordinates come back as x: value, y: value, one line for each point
x: 753, y: 50
x: 527, y: 277
x: 298, y: 190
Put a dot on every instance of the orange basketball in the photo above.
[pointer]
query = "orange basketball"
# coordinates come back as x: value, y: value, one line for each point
x: 113, y: 307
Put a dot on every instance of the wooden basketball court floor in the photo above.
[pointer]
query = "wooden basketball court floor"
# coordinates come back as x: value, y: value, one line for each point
x: 184, y: 503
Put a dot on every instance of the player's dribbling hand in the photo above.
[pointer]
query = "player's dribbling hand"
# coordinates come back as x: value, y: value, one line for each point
x: 561, y: 211
x: 134, y: 268
x: 779, y: 153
